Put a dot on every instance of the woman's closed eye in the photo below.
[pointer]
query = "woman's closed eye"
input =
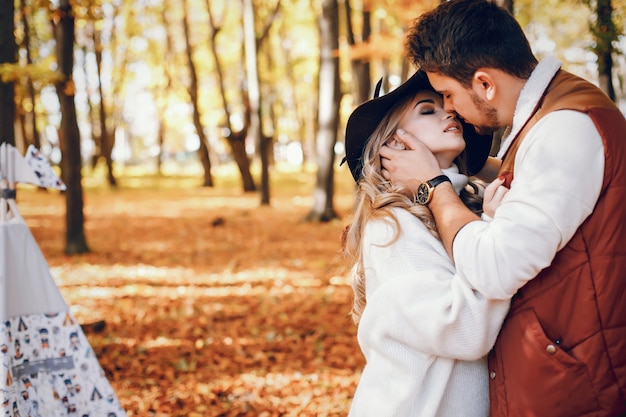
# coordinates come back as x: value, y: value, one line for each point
x: 426, y: 107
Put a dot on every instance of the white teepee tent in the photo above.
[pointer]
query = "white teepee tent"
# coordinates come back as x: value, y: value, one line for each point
x: 48, y: 366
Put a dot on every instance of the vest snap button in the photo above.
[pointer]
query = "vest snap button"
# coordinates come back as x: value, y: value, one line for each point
x: 492, y: 375
x: 551, y: 349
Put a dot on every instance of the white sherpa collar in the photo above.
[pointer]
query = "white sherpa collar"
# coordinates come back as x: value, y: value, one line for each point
x: 459, y: 181
x: 529, y: 97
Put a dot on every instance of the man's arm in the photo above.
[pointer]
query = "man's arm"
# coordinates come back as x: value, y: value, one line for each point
x: 542, y: 210
x: 490, y: 169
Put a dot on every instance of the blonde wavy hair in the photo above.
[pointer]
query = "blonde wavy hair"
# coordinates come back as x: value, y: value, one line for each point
x: 375, y: 198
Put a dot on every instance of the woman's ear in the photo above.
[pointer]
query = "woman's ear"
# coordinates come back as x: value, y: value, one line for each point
x: 395, y: 143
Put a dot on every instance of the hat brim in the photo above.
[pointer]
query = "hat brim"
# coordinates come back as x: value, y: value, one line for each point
x: 365, y: 119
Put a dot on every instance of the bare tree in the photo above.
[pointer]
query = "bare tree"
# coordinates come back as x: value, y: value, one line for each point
x: 254, y: 94
x: 118, y: 79
x: 328, y: 113
x: 30, y: 115
x: 605, y: 33
x: 203, y: 151
x: 236, y: 140
x: 168, y: 68
x: 106, y: 140
x: 360, y: 64
x: 63, y: 22
x: 252, y: 46
x: 7, y: 55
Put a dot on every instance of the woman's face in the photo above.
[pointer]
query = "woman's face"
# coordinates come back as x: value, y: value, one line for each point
x: 436, y: 128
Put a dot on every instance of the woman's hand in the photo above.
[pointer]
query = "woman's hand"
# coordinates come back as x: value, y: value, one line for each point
x: 494, y: 193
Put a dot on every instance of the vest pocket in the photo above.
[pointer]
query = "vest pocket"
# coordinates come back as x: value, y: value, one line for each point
x: 540, y: 378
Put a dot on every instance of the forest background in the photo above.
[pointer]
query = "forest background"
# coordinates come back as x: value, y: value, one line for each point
x: 198, y: 239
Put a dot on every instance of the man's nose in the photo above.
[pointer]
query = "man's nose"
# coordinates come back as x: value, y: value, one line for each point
x: 447, y: 106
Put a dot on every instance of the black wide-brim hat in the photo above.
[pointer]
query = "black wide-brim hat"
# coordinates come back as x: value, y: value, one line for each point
x: 366, y: 118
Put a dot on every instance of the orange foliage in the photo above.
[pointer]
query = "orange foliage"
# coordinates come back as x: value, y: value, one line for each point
x: 212, y: 305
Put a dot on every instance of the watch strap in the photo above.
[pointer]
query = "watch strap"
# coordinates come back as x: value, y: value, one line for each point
x: 438, y: 180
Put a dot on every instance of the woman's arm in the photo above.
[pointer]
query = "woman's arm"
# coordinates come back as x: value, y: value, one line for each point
x: 415, y: 299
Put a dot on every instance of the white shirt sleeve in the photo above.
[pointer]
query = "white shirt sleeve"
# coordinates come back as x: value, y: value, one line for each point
x: 559, y: 169
x: 415, y: 301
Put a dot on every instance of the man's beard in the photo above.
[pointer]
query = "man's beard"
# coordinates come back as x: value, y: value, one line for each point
x: 490, y: 116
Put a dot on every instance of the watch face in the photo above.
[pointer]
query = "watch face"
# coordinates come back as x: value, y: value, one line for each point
x: 423, y: 194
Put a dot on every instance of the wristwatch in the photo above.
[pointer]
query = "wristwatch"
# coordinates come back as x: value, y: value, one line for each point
x: 425, y: 189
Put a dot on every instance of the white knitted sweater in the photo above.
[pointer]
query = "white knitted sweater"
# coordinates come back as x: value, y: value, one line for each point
x: 424, y: 331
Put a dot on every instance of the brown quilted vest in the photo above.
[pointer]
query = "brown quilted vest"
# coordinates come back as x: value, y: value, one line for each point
x: 562, y: 348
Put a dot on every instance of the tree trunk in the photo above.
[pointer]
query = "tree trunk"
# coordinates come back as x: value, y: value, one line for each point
x: 605, y: 33
x: 254, y: 97
x: 7, y: 55
x: 301, y: 115
x: 118, y: 81
x: 203, y: 151
x: 30, y: 115
x: 360, y: 67
x: 163, y: 93
x: 328, y: 113
x: 236, y: 140
x: 94, y: 125
x: 70, y: 136
x: 106, y: 140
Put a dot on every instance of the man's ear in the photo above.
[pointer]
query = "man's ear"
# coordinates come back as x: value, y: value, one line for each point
x: 484, y: 84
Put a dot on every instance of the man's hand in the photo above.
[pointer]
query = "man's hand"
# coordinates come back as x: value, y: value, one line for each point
x: 417, y: 164
x: 408, y: 167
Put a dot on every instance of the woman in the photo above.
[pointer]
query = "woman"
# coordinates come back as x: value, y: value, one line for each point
x: 423, y: 331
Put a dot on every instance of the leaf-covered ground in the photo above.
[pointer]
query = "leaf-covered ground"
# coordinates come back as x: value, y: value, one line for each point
x: 213, y: 305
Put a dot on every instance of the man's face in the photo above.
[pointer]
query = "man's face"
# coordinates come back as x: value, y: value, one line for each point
x: 467, y: 103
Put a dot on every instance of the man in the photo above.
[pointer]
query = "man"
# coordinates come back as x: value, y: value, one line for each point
x: 557, y: 243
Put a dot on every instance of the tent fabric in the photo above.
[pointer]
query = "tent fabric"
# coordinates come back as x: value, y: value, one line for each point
x: 50, y: 370
x: 48, y: 366
x: 27, y: 284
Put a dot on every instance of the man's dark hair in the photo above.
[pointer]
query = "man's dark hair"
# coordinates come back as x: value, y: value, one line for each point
x: 461, y: 36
